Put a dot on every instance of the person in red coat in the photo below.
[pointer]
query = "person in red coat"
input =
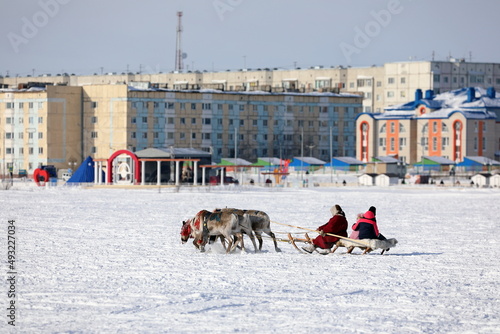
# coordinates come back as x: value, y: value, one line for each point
x: 336, y: 225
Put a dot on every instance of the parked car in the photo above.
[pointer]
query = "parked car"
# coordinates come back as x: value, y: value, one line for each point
x: 227, y: 180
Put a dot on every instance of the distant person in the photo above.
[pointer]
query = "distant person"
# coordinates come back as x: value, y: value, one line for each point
x: 336, y: 225
x: 344, y: 183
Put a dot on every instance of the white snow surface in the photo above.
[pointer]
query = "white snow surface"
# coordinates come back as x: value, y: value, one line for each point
x: 111, y: 261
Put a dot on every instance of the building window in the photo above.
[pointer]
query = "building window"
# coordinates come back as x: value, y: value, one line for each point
x: 205, y: 136
x: 182, y: 106
x: 434, y: 127
x: 403, y: 80
x: 193, y: 106
x: 206, y: 121
x: 40, y: 135
x: 94, y: 150
x: 170, y: 105
x: 402, y: 143
x: 193, y: 120
x: 182, y: 120
x: 31, y: 151
x: 390, y: 81
x: 402, y: 93
x: 133, y: 120
x: 444, y: 127
x: 40, y: 150
x: 445, y: 141
x: 144, y: 119
x: 383, y: 128
x: 144, y: 135
x: 93, y: 134
x: 401, y: 128
x: 390, y: 93
x: 206, y: 106
x: 242, y: 107
x: 30, y: 135
x: 133, y: 135
x: 393, y: 127
x: 9, y: 150
x: 9, y: 120
x: 170, y: 120
x: 436, y: 78
x: 382, y: 143
x: 93, y: 119
x: 434, y: 144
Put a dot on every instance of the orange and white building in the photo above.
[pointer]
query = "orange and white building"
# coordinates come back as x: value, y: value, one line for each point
x: 452, y: 125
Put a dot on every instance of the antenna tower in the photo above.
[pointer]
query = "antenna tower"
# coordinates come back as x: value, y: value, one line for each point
x: 178, y: 48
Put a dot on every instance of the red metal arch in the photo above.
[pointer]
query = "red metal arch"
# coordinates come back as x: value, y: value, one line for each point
x: 137, y: 174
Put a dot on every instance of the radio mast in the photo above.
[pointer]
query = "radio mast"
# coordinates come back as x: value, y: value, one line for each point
x: 178, y: 47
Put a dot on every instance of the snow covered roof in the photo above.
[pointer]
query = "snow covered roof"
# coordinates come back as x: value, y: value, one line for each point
x: 349, y: 160
x: 473, y: 102
x: 440, y: 160
x: 166, y: 153
x: 310, y: 160
x: 387, y: 159
x: 235, y: 161
x: 483, y: 161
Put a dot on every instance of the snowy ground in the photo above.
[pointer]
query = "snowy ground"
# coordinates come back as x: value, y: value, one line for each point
x: 111, y: 261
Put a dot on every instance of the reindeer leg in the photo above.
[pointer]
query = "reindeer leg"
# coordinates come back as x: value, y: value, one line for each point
x: 240, y: 237
x: 258, y: 235
x: 271, y: 234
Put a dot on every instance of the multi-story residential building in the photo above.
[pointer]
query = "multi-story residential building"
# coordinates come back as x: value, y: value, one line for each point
x: 62, y: 125
x: 228, y: 124
x: 40, y: 127
x: 382, y: 86
x: 455, y: 124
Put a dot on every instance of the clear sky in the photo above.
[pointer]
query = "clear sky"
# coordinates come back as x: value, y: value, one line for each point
x: 94, y: 36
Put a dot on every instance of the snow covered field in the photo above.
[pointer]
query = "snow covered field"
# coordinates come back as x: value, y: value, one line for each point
x: 111, y: 261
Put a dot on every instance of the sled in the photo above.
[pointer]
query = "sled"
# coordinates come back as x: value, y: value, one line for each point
x: 292, y: 240
x: 371, y: 245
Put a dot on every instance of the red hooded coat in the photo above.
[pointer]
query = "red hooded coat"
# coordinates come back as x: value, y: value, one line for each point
x: 336, y: 225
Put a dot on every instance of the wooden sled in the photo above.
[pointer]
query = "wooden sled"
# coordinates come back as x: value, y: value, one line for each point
x: 371, y: 245
x: 292, y: 240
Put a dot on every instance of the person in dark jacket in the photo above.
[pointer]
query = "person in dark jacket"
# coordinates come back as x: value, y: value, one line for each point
x: 336, y: 225
x: 367, y: 226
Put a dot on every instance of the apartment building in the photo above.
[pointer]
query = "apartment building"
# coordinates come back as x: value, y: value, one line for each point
x: 453, y: 125
x: 382, y: 86
x: 40, y: 126
x: 227, y: 124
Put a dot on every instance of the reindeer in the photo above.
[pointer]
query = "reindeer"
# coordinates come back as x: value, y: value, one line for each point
x: 207, y: 223
x: 260, y: 223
